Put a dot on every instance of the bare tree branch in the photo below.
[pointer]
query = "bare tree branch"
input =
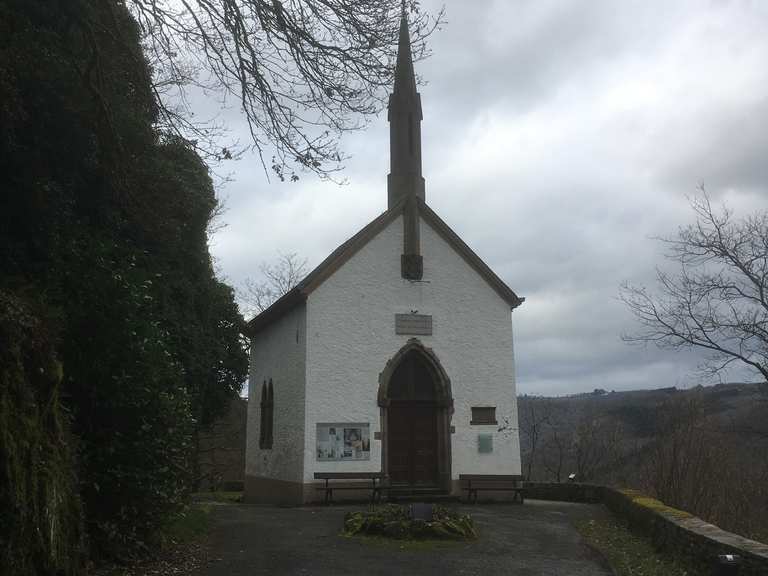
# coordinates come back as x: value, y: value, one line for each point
x: 717, y: 300
x: 277, y: 279
x: 301, y: 71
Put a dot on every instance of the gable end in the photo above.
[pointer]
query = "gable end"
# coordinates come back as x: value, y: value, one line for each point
x: 469, y: 256
x: 349, y: 248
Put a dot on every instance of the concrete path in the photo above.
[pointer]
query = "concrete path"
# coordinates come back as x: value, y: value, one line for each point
x: 536, y: 539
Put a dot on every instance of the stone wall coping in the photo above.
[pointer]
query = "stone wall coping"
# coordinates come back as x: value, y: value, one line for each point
x: 716, y: 533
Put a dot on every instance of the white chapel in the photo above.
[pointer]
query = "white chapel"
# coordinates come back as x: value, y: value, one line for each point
x: 394, y: 355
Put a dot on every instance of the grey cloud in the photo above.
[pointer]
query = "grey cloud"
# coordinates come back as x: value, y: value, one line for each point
x: 558, y: 138
x: 726, y: 151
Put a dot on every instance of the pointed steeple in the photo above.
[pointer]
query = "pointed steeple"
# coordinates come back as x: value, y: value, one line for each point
x: 405, y: 79
x: 404, y: 126
x: 405, y: 181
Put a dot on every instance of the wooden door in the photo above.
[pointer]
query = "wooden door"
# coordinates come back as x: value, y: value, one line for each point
x: 399, y: 448
x: 412, y: 449
x: 424, y: 443
x: 412, y: 424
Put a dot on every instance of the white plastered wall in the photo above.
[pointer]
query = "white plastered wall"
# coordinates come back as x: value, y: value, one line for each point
x: 278, y: 352
x: 351, y: 336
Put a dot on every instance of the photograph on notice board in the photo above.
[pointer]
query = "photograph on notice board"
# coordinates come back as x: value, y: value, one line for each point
x: 343, y: 442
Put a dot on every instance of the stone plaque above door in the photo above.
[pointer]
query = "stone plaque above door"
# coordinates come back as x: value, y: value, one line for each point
x: 413, y: 324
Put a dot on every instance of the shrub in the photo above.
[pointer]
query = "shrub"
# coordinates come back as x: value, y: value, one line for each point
x: 393, y: 521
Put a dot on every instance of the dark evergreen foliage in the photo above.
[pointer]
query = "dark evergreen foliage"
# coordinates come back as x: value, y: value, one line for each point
x: 41, y: 530
x: 103, y: 225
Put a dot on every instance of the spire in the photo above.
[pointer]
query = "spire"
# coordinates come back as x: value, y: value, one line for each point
x: 404, y: 126
x: 405, y: 182
x: 405, y: 79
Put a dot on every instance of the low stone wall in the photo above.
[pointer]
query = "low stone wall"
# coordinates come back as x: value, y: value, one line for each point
x: 221, y: 450
x: 559, y: 492
x: 698, y: 542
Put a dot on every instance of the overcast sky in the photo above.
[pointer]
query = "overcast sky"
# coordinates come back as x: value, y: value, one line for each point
x: 558, y: 138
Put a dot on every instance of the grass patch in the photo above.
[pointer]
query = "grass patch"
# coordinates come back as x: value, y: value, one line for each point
x: 628, y: 553
x: 221, y: 497
x: 176, y: 550
x: 187, y: 525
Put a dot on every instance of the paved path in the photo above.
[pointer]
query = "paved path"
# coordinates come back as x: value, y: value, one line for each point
x: 537, y: 539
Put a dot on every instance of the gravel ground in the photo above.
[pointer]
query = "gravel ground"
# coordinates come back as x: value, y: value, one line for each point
x: 536, y: 539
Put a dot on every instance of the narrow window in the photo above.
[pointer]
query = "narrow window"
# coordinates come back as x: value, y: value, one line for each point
x: 410, y: 133
x: 263, y: 416
x: 267, y: 415
x: 483, y: 415
x: 270, y: 415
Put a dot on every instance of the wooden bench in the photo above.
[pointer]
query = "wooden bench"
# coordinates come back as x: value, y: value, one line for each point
x: 473, y: 483
x: 377, y: 483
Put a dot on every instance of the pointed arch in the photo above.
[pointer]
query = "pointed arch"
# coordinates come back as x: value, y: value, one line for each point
x: 443, y: 394
x: 393, y: 399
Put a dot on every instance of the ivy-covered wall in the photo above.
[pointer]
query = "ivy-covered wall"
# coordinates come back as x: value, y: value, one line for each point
x: 120, y: 345
x: 41, y: 531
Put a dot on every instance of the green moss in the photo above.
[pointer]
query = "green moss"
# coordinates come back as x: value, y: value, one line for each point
x: 627, y: 553
x: 641, y: 499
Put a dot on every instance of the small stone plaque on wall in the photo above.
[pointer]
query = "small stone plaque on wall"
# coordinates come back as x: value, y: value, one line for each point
x: 484, y: 443
x: 413, y: 324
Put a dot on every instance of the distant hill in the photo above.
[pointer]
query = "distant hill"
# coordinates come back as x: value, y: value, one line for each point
x: 737, y: 405
x: 703, y: 449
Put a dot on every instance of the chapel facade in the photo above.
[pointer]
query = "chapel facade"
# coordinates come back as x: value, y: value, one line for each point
x: 394, y: 355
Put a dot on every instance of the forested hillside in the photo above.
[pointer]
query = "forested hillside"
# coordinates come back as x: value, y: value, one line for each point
x: 704, y: 450
x: 117, y: 342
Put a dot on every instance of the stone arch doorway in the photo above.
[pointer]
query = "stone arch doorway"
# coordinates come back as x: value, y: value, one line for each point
x: 416, y: 408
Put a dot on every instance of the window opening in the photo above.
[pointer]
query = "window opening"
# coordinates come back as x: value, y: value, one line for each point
x: 410, y: 133
x: 266, y: 424
x: 483, y: 415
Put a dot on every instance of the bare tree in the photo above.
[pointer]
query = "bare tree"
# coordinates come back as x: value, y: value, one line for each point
x: 554, y: 453
x: 718, y: 299
x: 535, y: 415
x: 278, y: 278
x: 301, y: 71
x: 702, y: 465
x: 685, y: 450
x: 596, y: 446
